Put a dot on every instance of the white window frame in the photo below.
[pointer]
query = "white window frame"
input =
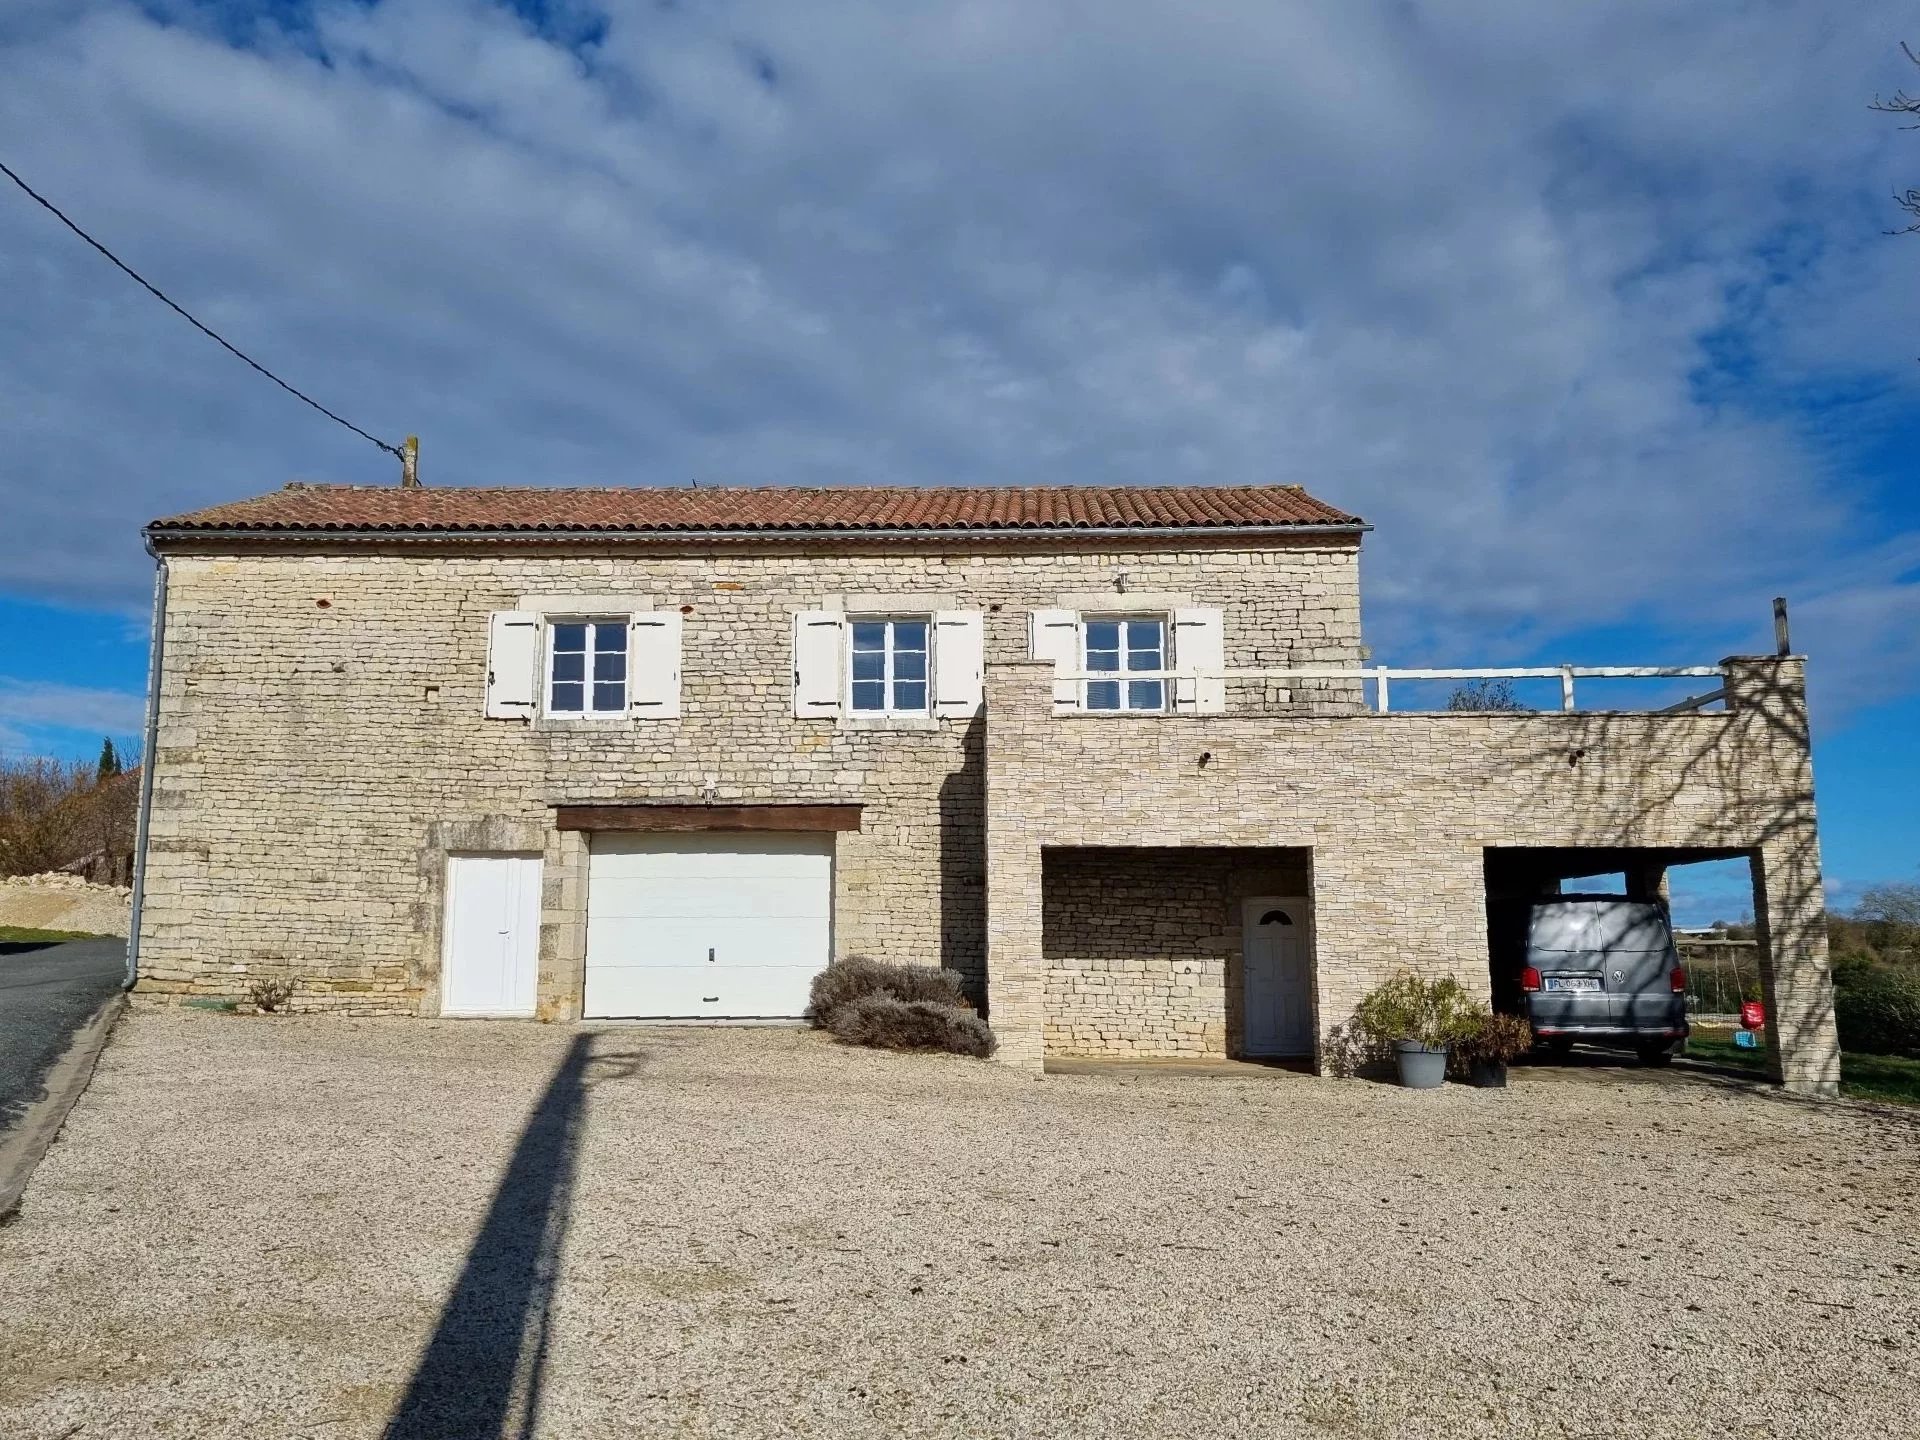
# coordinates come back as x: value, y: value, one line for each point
x: 547, y: 655
x: 889, y: 711
x: 1164, y: 676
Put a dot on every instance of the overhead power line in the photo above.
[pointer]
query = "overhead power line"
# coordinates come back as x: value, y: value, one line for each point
x: 154, y: 290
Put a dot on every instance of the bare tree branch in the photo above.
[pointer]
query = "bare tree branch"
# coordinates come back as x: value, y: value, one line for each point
x: 1904, y: 104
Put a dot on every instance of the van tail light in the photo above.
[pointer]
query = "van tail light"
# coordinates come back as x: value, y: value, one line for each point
x: 1678, y: 979
x: 1530, y: 979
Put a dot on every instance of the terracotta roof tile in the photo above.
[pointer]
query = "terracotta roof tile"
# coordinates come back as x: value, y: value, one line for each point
x: 849, y: 509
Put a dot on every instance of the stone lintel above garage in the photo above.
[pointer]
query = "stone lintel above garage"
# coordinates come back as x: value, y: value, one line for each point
x: 686, y: 815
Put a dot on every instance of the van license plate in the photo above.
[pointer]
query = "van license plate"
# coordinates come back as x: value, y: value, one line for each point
x: 1573, y: 982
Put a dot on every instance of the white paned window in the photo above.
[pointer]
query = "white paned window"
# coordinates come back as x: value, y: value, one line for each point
x: 887, y: 670
x: 1125, y: 645
x: 587, y: 667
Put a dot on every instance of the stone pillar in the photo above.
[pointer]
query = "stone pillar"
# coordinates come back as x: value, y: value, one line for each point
x: 563, y: 926
x: 1019, y: 710
x: 1790, y: 922
x: 1767, y: 696
x: 1769, y: 693
x: 1016, y: 966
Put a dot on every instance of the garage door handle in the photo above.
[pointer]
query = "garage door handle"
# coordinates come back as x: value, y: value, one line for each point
x: 710, y: 999
x: 709, y: 954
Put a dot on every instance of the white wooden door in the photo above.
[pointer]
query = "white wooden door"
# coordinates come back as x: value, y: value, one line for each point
x: 710, y: 924
x: 491, y: 960
x: 1277, y: 951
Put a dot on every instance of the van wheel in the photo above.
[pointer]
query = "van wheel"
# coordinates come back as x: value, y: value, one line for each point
x: 1656, y: 1055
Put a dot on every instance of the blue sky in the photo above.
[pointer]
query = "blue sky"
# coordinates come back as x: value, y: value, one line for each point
x: 1589, y: 309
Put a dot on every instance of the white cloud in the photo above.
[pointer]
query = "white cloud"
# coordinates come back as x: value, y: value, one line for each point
x: 1540, y: 290
x: 30, y: 706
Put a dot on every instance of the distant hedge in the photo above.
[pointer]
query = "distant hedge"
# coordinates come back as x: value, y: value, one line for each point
x: 1878, y: 1012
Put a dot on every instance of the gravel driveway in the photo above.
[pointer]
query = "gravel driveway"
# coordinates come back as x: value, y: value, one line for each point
x: 328, y: 1228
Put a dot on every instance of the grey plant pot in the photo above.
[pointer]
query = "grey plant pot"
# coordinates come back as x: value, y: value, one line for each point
x: 1420, y: 1067
x: 1488, y: 1074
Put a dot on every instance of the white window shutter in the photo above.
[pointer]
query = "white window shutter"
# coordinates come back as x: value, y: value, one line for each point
x: 1199, y: 654
x: 513, y: 664
x: 1055, y: 636
x: 959, y: 663
x: 653, y: 664
x: 819, y: 639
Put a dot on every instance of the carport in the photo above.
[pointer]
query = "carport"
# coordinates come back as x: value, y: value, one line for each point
x: 1518, y: 878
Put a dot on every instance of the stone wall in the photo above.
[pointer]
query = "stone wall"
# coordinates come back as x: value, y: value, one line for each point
x: 322, y: 742
x: 1398, y: 811
x: 1142, y: 946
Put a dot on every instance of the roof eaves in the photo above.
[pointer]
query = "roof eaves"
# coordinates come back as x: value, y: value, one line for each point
x: 159, y: 531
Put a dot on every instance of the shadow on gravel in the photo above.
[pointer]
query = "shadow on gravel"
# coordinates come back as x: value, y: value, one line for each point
x: 481, y: 1374
x: 1587, y: 1065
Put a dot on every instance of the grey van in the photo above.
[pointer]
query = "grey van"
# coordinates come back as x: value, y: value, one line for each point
x: 1601, y: 968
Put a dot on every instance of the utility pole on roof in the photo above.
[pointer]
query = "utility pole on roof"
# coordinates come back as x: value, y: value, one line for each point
x: 410, y: 463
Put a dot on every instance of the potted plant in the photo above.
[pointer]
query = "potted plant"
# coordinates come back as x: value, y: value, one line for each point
x: 1489, y: 1043
x: 1418, y: 1020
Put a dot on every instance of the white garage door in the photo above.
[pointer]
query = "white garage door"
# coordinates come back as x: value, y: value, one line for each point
x: 729, y: 926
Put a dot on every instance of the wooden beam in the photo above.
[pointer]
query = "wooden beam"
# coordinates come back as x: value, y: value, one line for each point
x: 651, y: 816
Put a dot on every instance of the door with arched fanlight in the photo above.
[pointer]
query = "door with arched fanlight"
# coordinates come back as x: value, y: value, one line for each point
x: 1277, y: 972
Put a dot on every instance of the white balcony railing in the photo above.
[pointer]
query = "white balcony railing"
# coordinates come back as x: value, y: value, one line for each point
x: 1180, y: 684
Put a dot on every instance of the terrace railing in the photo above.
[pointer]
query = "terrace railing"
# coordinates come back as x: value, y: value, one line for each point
x: 1183, y: 688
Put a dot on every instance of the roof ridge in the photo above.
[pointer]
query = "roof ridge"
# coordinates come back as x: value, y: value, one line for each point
x: 851, y: 487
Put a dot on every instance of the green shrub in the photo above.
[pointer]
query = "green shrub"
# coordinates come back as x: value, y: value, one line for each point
x: 1878, y: 1013
x: 1435, y: 1013
x: 891, y: 1024
x: 1853, y: 967
x: 855, y: 977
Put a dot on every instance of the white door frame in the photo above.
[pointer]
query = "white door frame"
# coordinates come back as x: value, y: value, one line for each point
x: 534, y: 877
x: 1302, y: 906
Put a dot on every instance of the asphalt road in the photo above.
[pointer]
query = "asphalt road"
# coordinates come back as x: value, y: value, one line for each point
x: 47, y: 993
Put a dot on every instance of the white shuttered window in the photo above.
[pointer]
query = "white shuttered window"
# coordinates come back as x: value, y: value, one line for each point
x: 607, y: 665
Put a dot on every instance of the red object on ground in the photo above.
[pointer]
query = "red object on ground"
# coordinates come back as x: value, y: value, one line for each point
x: 1753, y: 1015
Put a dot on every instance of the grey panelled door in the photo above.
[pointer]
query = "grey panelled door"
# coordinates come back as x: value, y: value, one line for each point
x: 1278, y: 970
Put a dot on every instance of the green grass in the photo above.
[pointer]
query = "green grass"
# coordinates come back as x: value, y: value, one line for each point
x: 1862, y: 1077
x: 22, y: 935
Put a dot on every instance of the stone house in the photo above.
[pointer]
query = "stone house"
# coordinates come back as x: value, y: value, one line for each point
x: 1106, y: 752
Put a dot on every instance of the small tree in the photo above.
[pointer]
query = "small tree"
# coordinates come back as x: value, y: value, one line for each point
x: 1890, y: 915
x: 109, y: 761
x: 1896, y: 905
x: 1488, y: 695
